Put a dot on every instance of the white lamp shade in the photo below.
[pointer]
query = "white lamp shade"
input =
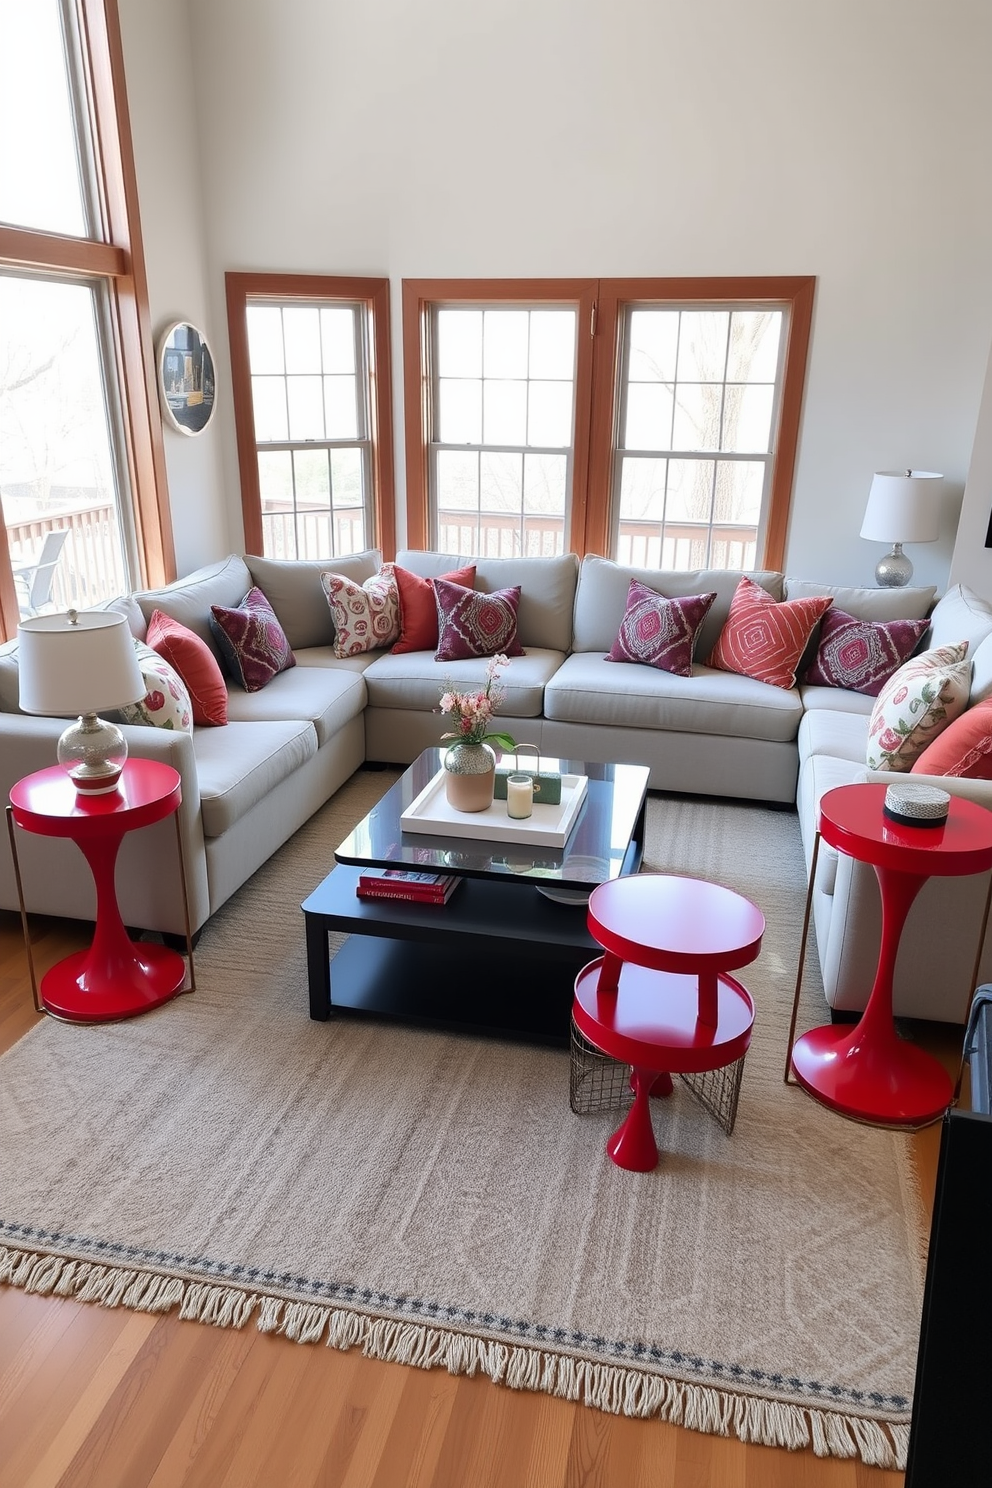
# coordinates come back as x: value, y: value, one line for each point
x: 903, y: 507
x: 77, y: 663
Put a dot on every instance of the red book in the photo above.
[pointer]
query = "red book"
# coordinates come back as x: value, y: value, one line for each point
x: 401, y: 883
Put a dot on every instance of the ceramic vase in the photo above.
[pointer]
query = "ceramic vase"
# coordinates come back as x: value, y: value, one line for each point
x: 470, y: 774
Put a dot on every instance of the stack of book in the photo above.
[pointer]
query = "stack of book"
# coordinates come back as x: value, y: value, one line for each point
x: 403, y: 883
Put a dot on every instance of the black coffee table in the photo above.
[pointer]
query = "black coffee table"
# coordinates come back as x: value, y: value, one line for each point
x: 500, y: 957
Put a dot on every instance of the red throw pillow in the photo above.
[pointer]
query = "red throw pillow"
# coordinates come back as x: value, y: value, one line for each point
x: 764, y: 638
x: 964, y: 748
x: 195, y: 663
x: 418, y: 607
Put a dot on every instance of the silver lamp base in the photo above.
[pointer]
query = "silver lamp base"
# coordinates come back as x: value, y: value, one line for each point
x: 93, y: 752
x: 894, y: 570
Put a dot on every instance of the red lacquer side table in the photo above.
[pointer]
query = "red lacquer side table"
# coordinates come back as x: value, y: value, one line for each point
x: 117, y: 977
x: 868, y: 1072
x: 661, y: 998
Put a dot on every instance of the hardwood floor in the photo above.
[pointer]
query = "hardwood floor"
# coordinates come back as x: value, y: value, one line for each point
x: 99, y: 1398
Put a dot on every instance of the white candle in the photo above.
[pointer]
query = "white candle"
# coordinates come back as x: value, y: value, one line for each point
x: 519, y: 796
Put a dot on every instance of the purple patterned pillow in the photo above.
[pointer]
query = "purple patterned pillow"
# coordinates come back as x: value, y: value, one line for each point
x: 470, y: 623
x: 660, y: 632
x: 861, y: 655
x: 251, y: 641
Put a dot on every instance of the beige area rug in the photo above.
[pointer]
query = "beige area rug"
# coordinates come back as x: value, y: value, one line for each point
x: 430, y: 1198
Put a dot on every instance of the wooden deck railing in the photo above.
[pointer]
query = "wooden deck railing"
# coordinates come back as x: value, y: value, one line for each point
x: 91, y: 568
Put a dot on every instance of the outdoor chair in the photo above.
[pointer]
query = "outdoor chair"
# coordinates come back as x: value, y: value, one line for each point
x: 35, y: 581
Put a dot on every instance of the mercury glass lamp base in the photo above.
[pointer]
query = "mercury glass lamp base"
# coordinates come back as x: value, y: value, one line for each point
x: 93, y: 753
x: 894, y: 570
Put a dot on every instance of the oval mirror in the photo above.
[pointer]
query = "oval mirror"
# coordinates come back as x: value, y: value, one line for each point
x: 186, y: 378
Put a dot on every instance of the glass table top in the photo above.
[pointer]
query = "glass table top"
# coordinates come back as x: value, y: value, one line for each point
x: 596, y: 851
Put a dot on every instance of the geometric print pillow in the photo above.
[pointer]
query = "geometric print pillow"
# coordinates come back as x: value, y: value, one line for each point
x: 251, y: 640
x: 764, y: 638
x: 861, y: 654
x: 916, y: 704
x: 166, y: 703
x: 471, y: 623
x: 660, y: 632
x: 366, y: 616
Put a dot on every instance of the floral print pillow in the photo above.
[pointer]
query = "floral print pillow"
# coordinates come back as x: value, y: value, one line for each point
x: 166, y: 704
x: 917, y: 702
x: 366, y: 616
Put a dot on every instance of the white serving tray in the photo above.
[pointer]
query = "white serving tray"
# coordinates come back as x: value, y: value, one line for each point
x: 549, y: 826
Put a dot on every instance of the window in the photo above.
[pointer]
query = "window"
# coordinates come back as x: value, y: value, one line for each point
x: 653, y: 420
x: 310, y: 370
x: 82, y: 470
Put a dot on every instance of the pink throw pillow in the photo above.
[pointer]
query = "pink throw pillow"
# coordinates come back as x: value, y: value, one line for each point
x: 660, y: 632
x: 861, y: 655
x: 251, y: 640
x: 964, y: 748
x: 764, y: 638
x: 473, y: 624
x: 196, y: 664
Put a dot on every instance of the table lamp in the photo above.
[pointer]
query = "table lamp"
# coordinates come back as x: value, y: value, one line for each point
x: 902, y: 508
x: 79, y: 663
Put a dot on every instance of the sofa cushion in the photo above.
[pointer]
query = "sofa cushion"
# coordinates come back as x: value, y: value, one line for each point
x: 418, y: 606
x: 836, y: 700
x: 239, y: 765
x: 188, y: 600
x: 415, y: 681
x: 843, y: 735
x: 366, y: 615
x: 660, y: 632
x: 547, y: 590
x: 981, y: 670
x: 960, y: 615
x: 251, y: 640
x: 867, y: 603
x: 764, y: 639
x: 963, y: 748
x: 293, y: 588
x: 601, y: 598
x: 588, y: 689
x: 472, y: 624
x: 196, y: 664
x: 10, y: 691
x: 861, y: 654
x: 925, y: 695
x: 328, y: 698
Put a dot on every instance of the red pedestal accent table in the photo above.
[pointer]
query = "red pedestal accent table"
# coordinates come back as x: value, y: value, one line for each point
x: 660, y: 999
x: 868, y: 1072
x: 117, y: 977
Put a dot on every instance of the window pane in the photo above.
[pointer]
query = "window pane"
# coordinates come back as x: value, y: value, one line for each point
x: 457, y: 480
x: 504, y: 412
x: 689, y: 496
x: 500, y: 482
x: 505, y: 343
x: 552, y: 344
x: 747, y: 419
x: 642, y: 490
x: 265, y: 350
x: 754, y: 339
x: 268, y: 396
x: 550, y: 414
x: 337, y: 335
x: 275, y: 479
x: 459, y: 411
x: 305, y: 396
x: 312, y: 478
x: 649, y: 416
x: 341, y: 407
x: 545, y: 483
x: 459, y: 343
x: 654, y: 341
x: 703, y: 345
x: 39, y: 170
x: 697, y: 416
x: 739, y: 486
x: 301, y: 329
x: 346, y: 479
x: 56, y: 464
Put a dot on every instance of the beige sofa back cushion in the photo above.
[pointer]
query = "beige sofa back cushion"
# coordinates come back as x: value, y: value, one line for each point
x: 293, y: 588
x: 547, y: 589
x: 188, y: 600
x: 601, y: 598
x: 867, y: 603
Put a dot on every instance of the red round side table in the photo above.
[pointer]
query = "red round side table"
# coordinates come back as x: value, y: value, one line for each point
x: 661, y: 999
x: 117, y: 977
x: 869, y: 1073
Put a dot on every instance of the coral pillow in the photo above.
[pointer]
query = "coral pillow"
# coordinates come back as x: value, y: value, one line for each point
x: 251, y: 640
x: 195, y: 663
x: 365, y: 616
x: 924, y: 696
x: 861, y: 654
x: 418, y: 607
x: 660, y: 632
x: 473, y: 624
x: 765, y: 639
x: 964, y: 748
x: 166, y: 703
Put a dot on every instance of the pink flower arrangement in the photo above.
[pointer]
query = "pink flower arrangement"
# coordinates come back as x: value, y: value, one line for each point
x: 472, y: 712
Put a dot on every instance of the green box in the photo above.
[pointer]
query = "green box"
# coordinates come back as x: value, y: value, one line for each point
x: 547, y: 783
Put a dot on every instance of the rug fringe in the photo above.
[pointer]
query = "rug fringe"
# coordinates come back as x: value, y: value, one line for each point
x: 616, y: 1389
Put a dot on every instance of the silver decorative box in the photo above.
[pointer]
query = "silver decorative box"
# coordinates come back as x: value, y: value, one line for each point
x: 917, y: 805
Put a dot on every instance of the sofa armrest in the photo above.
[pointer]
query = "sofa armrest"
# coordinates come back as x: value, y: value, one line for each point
x: 979, y: 791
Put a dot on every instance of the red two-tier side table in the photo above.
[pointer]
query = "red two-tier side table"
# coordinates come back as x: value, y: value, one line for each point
x: 868, y: 1072
x: 116, y: 977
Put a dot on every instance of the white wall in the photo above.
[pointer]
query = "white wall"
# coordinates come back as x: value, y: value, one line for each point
x: 556, y: 137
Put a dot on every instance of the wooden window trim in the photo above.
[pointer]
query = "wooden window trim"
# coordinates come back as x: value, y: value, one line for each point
x: 374, y: 295
x: 602, y: 303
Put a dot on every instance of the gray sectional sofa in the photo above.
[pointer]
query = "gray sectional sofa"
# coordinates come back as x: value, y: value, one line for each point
x: 249, y: 785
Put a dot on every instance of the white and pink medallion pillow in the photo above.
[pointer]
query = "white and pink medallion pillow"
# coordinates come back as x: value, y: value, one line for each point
x: 166, y: 703
x: 916, y: 704
x: 660, y: 632
x: 366, y: 616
